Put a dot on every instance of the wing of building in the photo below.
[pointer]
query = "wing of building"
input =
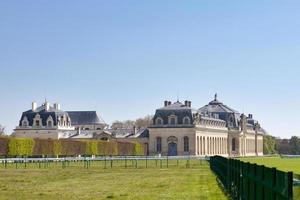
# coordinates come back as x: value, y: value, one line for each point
x: 51, y: 122
x: 214, y: 129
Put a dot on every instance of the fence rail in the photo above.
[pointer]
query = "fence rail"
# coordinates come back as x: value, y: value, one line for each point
x: 106, y: 162
x: 250, y: 181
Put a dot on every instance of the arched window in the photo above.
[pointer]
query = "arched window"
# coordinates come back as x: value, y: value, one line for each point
x: 49, y: 123
x: 186, y: 120
x: 158, y: 121
x: 158, y: 144
x: 233, y: 144
x: 186, y: 147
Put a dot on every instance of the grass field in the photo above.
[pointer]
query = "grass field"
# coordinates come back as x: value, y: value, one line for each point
x: 75, y: 182
x: 284, y: 164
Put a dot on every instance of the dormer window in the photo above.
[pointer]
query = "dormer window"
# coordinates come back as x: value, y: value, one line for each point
x: 186, y: 120
x: 25, y: 121
x: 159, y: 121
x: 37, y: 120
x: 50, y: 121
x: 172, y: 119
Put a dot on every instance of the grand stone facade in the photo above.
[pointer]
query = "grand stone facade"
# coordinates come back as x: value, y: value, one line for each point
x: 177, y: 129
x: 215, y: 129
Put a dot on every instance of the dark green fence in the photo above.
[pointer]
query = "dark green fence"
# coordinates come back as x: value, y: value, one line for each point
x: 250, y: 181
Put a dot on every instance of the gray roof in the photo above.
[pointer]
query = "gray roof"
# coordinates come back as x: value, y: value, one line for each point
x: 84, y: 118
x: 178, y: 109
x: 44, y: 114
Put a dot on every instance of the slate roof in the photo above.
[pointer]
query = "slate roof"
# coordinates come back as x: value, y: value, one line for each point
x: 178, y: 109
x: 44, y: 114
x: 224, y: 112
x: 84, y: 118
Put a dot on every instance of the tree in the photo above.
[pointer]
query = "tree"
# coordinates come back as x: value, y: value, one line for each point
x: 269, y: 144
x: 143, y: 122
x: 294, y: 145
x: 2, y: 130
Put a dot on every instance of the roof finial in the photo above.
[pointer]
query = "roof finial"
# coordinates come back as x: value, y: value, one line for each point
x: 216, y: 97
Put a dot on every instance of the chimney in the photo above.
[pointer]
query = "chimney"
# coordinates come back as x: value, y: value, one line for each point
x: 166, y: 103
x: 33, y: 106
x: 47, y: 106
x: 56, y: 106
x: 250, y: 116
x: 186, y: 103
x: 190, y: 103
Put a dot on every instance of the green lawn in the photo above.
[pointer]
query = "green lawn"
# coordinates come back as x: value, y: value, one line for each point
x: 284, y: 164
x: 75, y: 182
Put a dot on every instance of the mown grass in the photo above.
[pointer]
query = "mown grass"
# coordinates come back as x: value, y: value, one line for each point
x: 178, y: 180
x: 284, y: 164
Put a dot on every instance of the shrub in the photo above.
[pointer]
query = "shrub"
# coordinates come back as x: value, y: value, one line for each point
x: 20, y: 146
x: 139, y: 149
x: 72, y: 147
x: 57, y: 148
x: 4, y: 145
x: 44, y: 147
x: 107, y: 148
x: 126, y: 148
x: 91, y: 148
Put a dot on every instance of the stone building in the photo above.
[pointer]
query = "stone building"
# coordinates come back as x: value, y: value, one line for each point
x: 50, y: 122
x: 215, y: 129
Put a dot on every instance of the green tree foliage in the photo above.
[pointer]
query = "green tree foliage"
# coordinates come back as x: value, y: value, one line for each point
x: 294, y: 144
x: 20, y: 146
x: 269, y: 144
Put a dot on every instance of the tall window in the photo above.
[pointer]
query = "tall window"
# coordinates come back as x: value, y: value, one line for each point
x: 186, y: 147
x: 233, y: 144
x: 37, y: 122
x: 158, y: 144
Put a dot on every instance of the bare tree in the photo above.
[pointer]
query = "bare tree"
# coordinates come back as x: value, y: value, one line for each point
x: 143, y: 122
x: 2, y: 130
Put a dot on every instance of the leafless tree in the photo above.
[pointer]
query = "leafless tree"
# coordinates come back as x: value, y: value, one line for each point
x: 143, y: 122
x: 2, y: 130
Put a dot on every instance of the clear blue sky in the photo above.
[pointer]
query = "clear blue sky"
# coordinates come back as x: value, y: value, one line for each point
x: 124, y: 58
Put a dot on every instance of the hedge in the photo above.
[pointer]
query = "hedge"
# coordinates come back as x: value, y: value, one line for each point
x: 10, y: 146
x: 3, y: 145
x: 20, y: 146
x: 139, y: 149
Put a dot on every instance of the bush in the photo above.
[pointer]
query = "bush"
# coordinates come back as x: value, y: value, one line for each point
x: 43, y: 147
x: 107, y: 148
x: 20, y: 146
x: 4, y: 146
x: 91, y: 148
x: 126, y: 148
x: 139, y: 149
x: 72, y: 147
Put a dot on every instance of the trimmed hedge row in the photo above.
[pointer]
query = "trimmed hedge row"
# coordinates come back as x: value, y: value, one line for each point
x: 10, y: 146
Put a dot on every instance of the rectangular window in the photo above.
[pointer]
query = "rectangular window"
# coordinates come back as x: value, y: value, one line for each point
x: 158, y: 144
x: 37, y: 122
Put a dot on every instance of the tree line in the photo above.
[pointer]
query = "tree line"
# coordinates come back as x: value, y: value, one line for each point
x: 274, y: 145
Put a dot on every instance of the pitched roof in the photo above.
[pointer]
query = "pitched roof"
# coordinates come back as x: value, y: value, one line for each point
x: 84, y: 118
